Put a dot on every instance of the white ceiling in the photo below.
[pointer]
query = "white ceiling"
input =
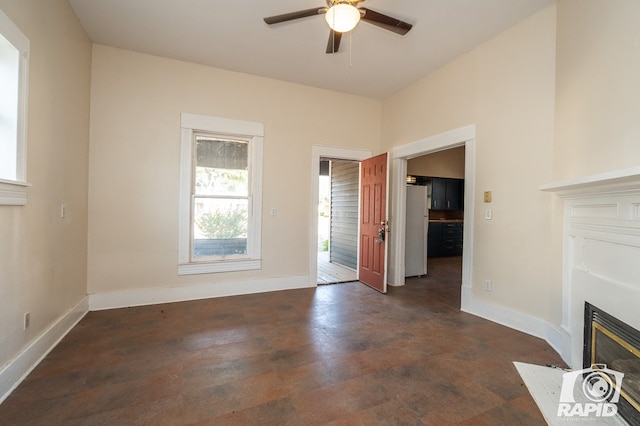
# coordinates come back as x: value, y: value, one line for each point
x: 231, y: 34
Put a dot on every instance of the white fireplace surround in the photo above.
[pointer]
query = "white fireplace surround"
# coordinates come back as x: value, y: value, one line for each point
x: 601, y: 252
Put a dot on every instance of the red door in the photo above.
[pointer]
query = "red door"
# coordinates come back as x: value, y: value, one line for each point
x: 373, y: 222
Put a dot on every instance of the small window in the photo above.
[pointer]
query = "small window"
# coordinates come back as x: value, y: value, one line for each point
x: 14, y: 56
x: 220, y: 193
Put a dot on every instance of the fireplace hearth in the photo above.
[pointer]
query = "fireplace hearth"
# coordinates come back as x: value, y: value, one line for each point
x: 611, y: 342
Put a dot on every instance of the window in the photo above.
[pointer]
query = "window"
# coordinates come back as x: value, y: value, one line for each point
x: 14, y: 56
x: 220, y: 195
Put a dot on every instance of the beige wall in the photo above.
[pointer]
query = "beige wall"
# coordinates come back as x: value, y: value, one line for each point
x: 43, y: 257
x: 506, y: 87
x: 598, y: 96
x: 520, y: 89
x: 448, y: 163
x: 136, y: 101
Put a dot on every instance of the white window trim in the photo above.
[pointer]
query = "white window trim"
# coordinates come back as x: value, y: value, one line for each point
x: 191, y: 123
x: 14, y: 192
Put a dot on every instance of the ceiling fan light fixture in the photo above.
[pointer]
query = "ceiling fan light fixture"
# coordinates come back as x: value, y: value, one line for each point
x: 342, y: 17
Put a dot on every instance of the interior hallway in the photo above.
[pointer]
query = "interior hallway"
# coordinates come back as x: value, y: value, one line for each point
x: 338, y: 354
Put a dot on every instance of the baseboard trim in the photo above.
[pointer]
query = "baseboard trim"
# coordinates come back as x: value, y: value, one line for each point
x: 531, y: 325
x: 19, y: 367
x: 154, y: 296
x: 563, y: 347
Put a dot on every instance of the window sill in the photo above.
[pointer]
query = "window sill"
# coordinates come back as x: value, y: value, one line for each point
x: 13, y: 193
x: 222, y: 266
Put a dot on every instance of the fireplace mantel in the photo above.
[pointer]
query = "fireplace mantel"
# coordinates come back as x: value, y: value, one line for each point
x: 601, y: 251
x: 604, y: 183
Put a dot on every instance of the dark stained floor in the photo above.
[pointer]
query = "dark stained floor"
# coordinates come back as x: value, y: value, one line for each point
x: 339, y: 354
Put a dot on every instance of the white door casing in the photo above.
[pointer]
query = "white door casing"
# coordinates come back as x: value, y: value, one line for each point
x: 462, y: 136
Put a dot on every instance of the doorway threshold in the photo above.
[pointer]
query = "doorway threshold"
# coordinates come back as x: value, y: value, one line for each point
x: 333, y: 273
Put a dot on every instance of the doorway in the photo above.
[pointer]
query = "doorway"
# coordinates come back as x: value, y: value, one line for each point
x: 434, y: 209
x: 433, y: 258
x: 319, y: 152
x: 463, y: 136
x: 338, y: 196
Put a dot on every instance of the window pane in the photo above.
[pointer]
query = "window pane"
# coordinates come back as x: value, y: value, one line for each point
x: 9, y: 80
x: 221, y: 167
x: 220, y: 227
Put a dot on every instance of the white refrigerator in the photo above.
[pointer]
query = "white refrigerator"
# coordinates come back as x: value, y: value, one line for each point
x: 417, y: 211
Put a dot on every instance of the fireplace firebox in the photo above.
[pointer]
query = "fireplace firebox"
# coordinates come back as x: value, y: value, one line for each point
x: 611, y: 342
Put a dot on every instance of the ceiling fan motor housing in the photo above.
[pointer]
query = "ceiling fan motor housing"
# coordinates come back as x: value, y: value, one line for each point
x: 342, y: 17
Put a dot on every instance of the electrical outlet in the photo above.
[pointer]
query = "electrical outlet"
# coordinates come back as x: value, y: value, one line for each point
x: 488, y: 286
x: 27, y: 320
x: 487, y: 196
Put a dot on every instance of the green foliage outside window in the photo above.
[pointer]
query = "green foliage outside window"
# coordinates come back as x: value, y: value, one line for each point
x: 230, y: 223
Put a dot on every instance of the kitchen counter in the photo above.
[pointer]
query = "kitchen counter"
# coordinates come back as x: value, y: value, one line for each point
x: 446, y: 221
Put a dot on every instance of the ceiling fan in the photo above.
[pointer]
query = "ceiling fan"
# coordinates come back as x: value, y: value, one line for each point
x: 342, y: 16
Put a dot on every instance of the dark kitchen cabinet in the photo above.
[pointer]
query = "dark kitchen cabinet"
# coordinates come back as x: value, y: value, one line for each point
x: 454, y: 194
x: 445, y: 239
x: 438, y: 194
x: 434, y: 240
x: 447, y: 194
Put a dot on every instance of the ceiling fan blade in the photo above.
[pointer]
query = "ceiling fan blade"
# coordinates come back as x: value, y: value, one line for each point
x: 334, y: 42
x: 295, y: 15
x: 384, y: 21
